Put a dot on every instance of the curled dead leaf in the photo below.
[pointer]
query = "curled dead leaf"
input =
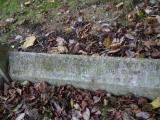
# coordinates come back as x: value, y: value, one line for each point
x: 114, y: 51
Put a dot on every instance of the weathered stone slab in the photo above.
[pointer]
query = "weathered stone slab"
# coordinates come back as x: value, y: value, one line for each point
x: 116, y: 75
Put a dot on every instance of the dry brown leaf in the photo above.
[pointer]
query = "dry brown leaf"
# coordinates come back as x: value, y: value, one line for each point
x: 115, y: 46
x: 150, y: 20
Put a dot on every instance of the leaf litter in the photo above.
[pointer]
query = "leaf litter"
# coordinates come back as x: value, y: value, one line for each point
x: 133, y: 34
x: 42, y: 101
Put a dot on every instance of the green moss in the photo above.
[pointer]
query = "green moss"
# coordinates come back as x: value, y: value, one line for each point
x: 10, y: 7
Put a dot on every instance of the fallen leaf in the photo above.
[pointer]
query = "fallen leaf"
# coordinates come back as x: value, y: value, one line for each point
x: 82, y: 52
x: 41, y: 86
x: 86, y: 114
x: 149, y: 30
x: 130, y: 17
x: 17, y: 107
x: 32, y: 113
x: 157, y: 29
x: 76, y: 106
x: 53, y: 50
x: 130, y: 54
x: 119, y: 5
x: 25, y: 83
x: 60, y: 41
x: 76, y: 115
x: 72, y: 103
x: 107, y: 42
x: 18, y: 37
x: 62, y: 49
x: 3, y: 98
x: 156, y: 55
x: 10, y: 20
x: 150, y: 20
x: 83, y: 105
x: 19, y: 91
x: 156, y: 103
x: 94, y: 109
x: 96, y: 99
x: 129, y: 36
x: 158, y: 18
x: 143, y: 115
x: 115, y: 46
x: 149, y: 43
x: 134, y: 106
x: 57, y: 106
x: 105, y: 102
x: 148, y: 11
x: 68, y: 29
x: 98, y: 112
x: 29, y: 41
x: 27, y: 3
x: 20, y: 116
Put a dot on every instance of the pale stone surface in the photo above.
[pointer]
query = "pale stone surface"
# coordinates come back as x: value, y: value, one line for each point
x: 116, y: 75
